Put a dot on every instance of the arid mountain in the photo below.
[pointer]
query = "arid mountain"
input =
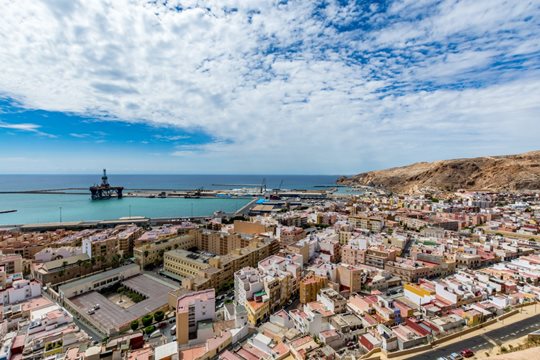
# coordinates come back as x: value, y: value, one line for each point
x: 497, y: 173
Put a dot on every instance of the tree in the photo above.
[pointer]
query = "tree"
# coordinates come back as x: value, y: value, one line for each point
x: 134, y: 325
x: 147, y: 320
x: 149, y: 329
x: 159, y: 315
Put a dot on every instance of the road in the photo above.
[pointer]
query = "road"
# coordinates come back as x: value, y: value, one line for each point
x: 486, y: 340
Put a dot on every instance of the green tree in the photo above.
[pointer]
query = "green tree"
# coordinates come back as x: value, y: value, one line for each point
x: 134, y: 325
x: 147, y: 320
x: 149, y: 329
x: 159, y: 315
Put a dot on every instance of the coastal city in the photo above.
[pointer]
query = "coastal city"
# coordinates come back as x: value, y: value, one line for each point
x: 358, y: 273
x: 270, y: 180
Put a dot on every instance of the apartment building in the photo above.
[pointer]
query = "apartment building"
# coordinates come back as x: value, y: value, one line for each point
x: 19, y: 291
x: 12, y: 263
x: 309, y: 287
x: 332, y: 300
x: 151, y: 253
x: 411, y: 270
x: 253, y: 227
x: 101, y: 247
x: 378, y: 256
x: 374, y: 224
x: 297, y: 220
x: 185, y: 263
x: 247, y: 282
x: 290, y: 234
x: 126, y: 239
x: 220, y: 243
x: 192, y: 309
x: 199, y: 271
x: 350, y: 277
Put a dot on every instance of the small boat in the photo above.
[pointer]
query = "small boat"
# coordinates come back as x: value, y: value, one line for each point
x: 7, y: 211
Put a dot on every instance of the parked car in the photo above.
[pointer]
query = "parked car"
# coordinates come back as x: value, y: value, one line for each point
x: 155, y: 334
x: 467, y: 353
x: 162, y: 324
x: 173, y: 330
x: 455, y: 356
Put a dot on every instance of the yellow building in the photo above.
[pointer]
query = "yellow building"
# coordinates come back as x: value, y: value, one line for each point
x: 12, y: 263
x: 473, y: 317
x: 185, y: 263
x: 257, y: 311
x: 200, y: 271
x: 310, y: 286
x: 418, y: 294
x: 152, y: 253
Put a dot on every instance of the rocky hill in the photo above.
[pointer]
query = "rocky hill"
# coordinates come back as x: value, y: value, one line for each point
x: 496, y: 173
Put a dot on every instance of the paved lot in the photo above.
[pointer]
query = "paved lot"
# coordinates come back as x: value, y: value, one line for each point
x: 485, y: 340
x: 111, y: 315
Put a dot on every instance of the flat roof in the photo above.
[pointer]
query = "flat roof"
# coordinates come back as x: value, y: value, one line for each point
x: 97, y: 277
x: 111, y: 316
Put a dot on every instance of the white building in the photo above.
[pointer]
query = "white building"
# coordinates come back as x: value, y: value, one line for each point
x: 20, y: 290
x: 50, y: 254
x: 247, y: 282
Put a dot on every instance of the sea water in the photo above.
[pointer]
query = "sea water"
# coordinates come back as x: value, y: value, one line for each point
x: 38, y: 208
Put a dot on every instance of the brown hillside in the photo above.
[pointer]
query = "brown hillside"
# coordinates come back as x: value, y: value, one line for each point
x: 496, y: 173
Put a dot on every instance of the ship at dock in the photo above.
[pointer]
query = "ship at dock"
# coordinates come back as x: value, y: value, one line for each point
x: 105, y: 190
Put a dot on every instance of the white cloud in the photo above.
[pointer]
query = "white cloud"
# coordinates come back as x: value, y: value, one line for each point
x: 79, y: 136
x: 34, y: 128
x: 278, y: 86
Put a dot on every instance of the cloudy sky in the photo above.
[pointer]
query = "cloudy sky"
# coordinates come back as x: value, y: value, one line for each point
x: 264, y: 87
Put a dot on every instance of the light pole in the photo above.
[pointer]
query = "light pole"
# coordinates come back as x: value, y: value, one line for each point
x: 60, y: 210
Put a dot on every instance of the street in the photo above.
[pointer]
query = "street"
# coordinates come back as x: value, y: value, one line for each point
x: 484, y: 341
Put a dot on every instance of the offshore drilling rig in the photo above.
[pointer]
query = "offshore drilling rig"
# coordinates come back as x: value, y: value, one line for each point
x: 104, y: 190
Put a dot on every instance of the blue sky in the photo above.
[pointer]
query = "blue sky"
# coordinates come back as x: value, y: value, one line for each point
x: 230, y: 86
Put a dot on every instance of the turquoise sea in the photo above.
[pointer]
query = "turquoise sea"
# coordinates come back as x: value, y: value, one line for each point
x: 36, y: 208
x: 32, y: 208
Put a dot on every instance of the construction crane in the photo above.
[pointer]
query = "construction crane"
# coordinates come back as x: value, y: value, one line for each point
x: 276, y: 190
